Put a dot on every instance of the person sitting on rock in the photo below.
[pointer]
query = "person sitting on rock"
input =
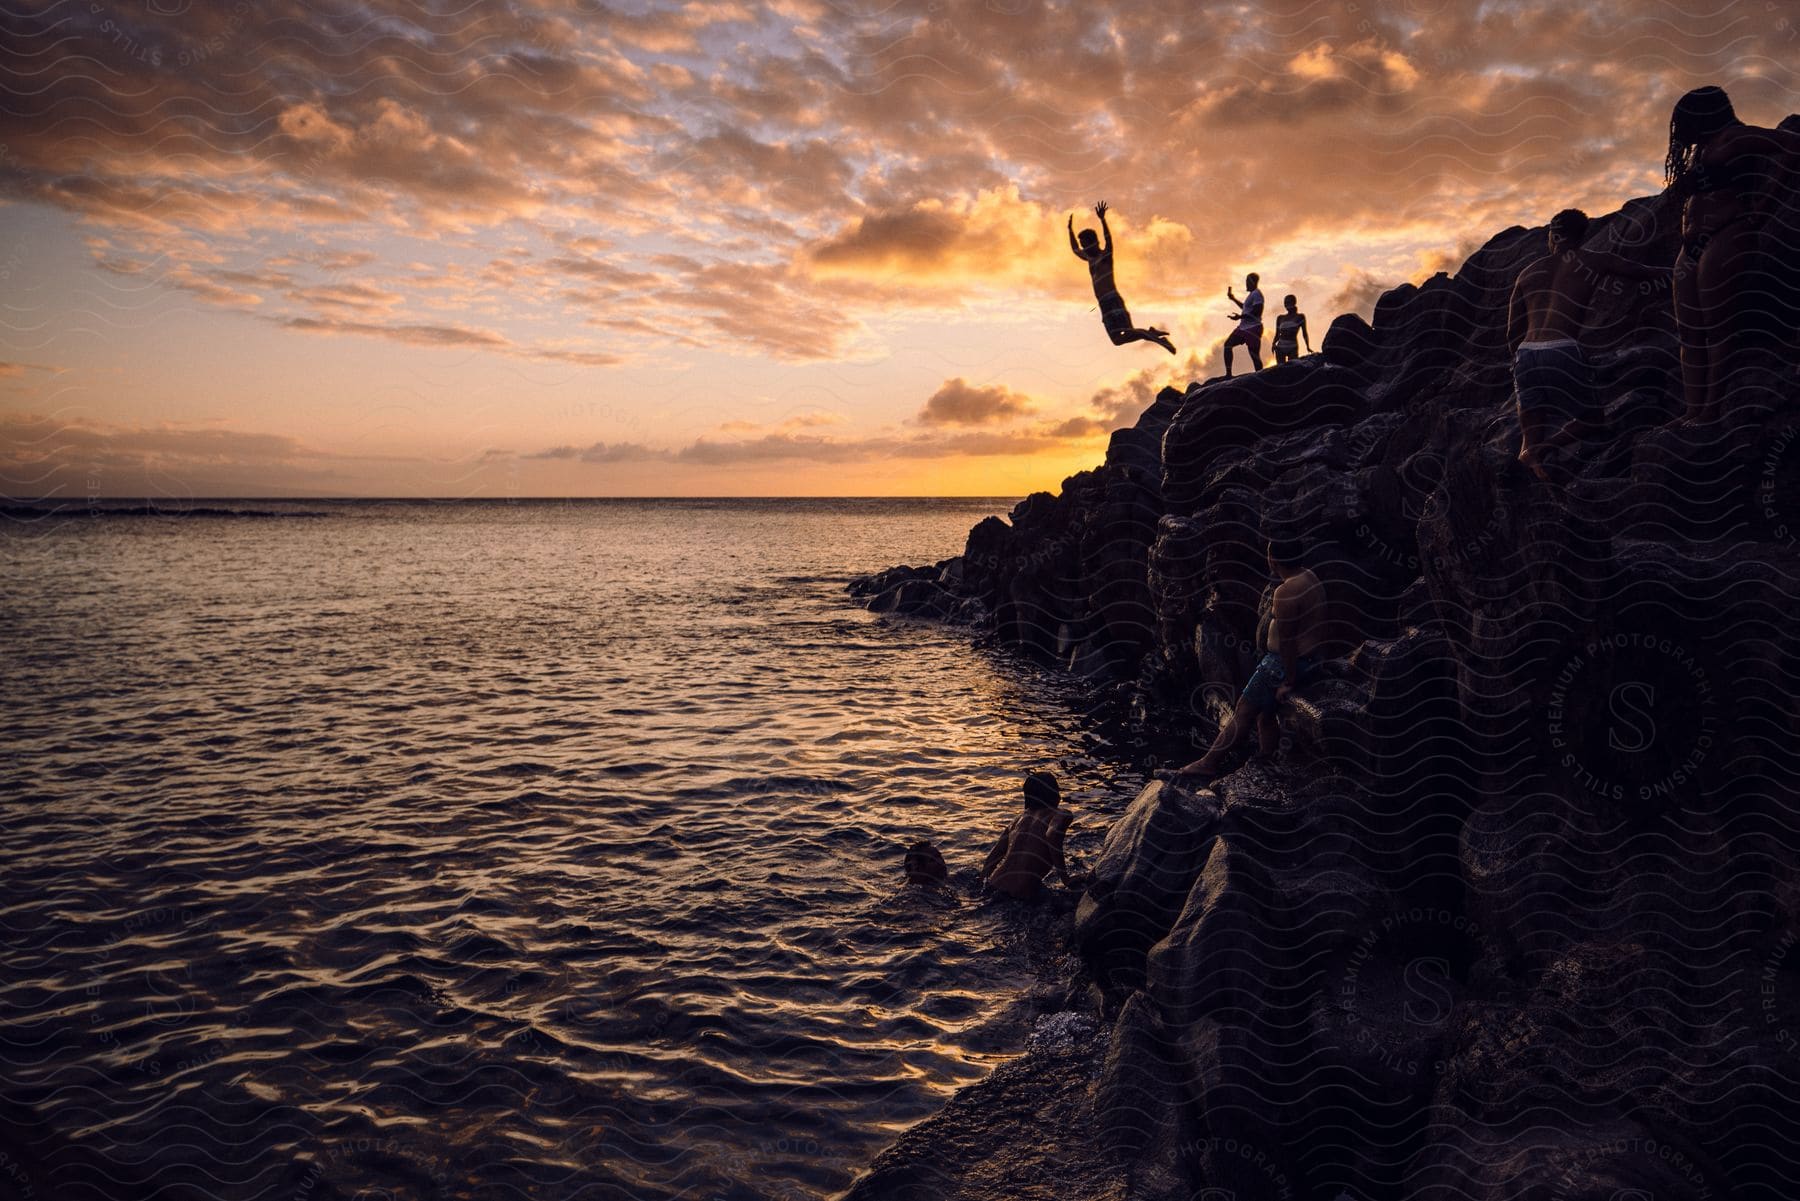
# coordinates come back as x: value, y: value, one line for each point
x: 1296, y: 632
x: 1553, y: 383
x: 925, y: 866
x: 1290, y: 327
x: 1248, y: 333
x: 1113, y: 313
x: 1032, y: 845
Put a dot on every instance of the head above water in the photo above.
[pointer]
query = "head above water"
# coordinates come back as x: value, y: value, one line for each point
x: 1041, y: 791
x: 925, y: 864
x: 1089, y: 239
x: 1698, y: 115
x: 1567, y: 229
x: 1250, y: 280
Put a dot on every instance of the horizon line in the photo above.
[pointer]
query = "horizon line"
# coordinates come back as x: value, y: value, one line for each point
x: 151, y: 500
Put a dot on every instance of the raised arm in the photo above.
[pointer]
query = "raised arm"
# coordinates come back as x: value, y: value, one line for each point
x: 1105, y: 229
x: 1074, y: 246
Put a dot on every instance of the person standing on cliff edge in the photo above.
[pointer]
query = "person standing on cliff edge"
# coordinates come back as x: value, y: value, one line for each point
x: 1553, y: 383
x: 1290, y: 327
x: 1113, y: 313
x: 1249, y: 331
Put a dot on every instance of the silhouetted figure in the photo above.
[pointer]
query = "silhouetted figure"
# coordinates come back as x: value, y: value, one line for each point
x: 1734, y: 180
x: 1553, y: 382
x: 1032, y: 845
x: 925, y: 866
x: 1249, y: 331
x: 1294, y: 638
x: 1290, y: 327
x: 1113, y: 313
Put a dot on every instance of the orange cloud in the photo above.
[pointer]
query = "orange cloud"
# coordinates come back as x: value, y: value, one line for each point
x: 960, y: 403
x: 791, y: 183
x: 931, y: 250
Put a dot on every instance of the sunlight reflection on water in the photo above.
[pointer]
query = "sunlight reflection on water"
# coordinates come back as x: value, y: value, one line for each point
x: 526, y: 847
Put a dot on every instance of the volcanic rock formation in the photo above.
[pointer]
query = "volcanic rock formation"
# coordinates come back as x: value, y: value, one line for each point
x: 1513, y: 913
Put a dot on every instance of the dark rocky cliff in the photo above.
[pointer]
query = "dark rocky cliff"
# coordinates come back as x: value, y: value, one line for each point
x: 1513, y: 912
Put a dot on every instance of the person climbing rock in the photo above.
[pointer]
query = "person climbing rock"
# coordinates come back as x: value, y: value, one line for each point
x: 1552, y: 379
x: 1739, y: 220
x: 1249, y: 331
x: 1296, y: 633
x: 1032, y: 845
x: 1113, y: 313
x: 1290, y: 327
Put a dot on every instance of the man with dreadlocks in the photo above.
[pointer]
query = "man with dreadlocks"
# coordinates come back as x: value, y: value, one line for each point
x: 1737, y: 186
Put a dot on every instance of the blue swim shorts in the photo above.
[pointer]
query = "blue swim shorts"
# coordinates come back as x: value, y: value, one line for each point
x: 1270, y: 675
x: 1555, y: 378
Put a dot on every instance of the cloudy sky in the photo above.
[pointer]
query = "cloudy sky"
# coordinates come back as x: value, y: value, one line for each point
x: 576, y: 247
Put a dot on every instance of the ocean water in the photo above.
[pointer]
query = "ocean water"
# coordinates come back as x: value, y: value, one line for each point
x: 390, y: 850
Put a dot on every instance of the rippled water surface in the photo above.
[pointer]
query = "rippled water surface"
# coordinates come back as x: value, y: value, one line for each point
x: 488, y: 850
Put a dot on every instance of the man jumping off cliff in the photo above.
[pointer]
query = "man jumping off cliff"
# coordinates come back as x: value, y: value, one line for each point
x: 1297, y: 632
x: 1552, y: 380
x: 1113, y: 314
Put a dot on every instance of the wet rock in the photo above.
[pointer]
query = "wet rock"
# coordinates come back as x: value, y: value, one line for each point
x: 1211, y: 960
x: 986, y: 554
x: 1178, y: 584
x: 990, y: 1140
x: 1142, y: 878
x: 915, y: 597
x: 1139, y: 1100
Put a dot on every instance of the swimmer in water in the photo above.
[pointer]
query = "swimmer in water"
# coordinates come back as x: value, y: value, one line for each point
x: 1032, y: 845
x: 925, y: 866
x: 1113, y: 313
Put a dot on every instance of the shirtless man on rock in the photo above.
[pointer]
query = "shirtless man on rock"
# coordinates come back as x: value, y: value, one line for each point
x: 1553, y: 382
x: 1298, y: 630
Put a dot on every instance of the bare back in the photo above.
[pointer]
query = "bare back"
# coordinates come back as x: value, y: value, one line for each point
x: 1737, y: 168
x: 1551, y: 298
x: 1299, y: 613
x: 1034, y: 846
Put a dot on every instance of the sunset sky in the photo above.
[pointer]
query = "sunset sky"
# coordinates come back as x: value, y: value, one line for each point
x: 565, y: 247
